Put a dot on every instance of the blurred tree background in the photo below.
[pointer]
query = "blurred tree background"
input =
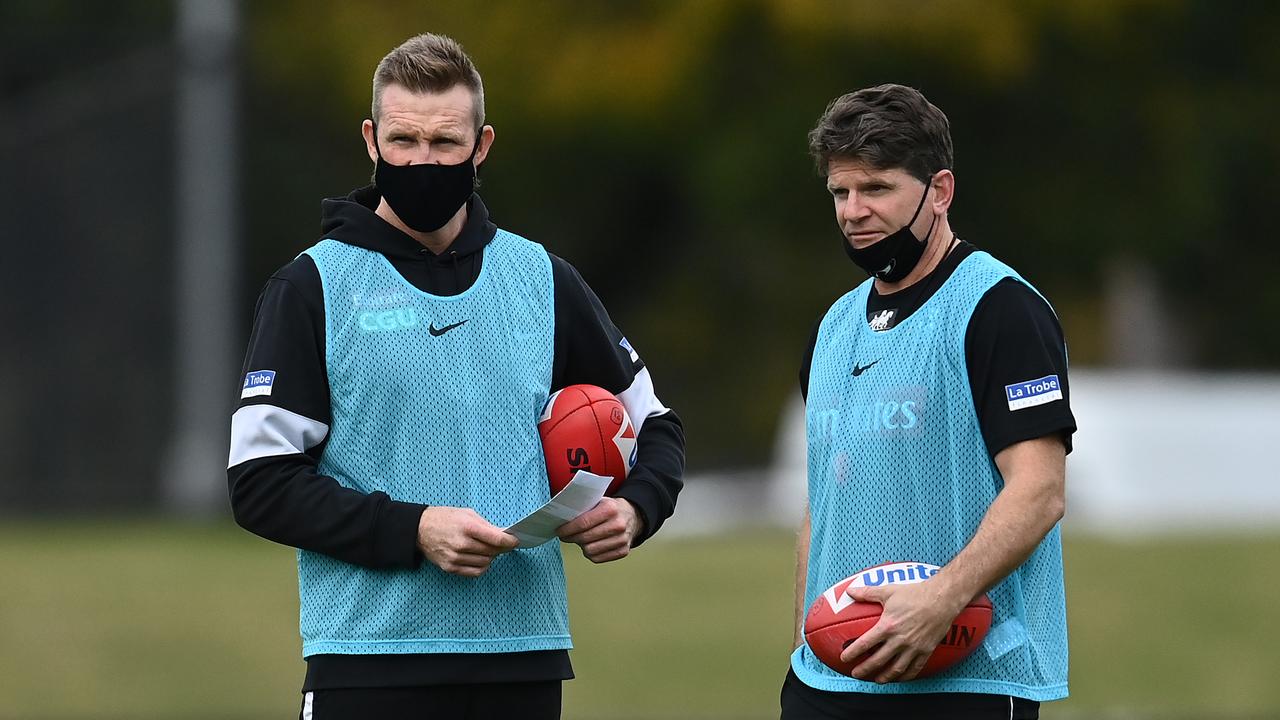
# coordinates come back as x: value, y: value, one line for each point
x: 661, y: 147
x: 1110, y: 150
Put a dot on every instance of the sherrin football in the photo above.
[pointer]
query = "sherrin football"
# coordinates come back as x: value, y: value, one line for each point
x: 835, y: 620
x: 584, y: 427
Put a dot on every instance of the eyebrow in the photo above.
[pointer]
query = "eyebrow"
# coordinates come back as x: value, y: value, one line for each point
x: 440, y: 133
x: 394, y: 128
x: 863, y: 184
x: 875, y: 181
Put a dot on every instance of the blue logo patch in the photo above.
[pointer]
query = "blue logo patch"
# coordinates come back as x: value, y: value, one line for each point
x: 1033, y: 392
x: 257, y: 383
x: 627, y: 346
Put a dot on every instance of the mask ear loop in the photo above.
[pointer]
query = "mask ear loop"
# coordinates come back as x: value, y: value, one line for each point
x: 929, y: 233
x: 475, y: 178
x: 928, y: 183
x: 376, y: 147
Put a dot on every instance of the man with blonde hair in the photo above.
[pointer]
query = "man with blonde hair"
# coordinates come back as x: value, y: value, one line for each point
x: 387, y: 424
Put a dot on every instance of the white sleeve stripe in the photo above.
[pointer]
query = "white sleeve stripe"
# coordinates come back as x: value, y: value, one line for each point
x: 259, y: 431
x: 640, y: 400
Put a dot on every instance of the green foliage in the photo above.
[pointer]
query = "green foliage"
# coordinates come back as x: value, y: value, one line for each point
x: 144, y: 620
x: 661, y: 148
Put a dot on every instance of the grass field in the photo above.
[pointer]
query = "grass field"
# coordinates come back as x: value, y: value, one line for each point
x: 159, y: 620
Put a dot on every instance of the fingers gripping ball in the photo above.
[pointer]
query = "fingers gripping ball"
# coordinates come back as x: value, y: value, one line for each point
x: 835, y: 620
x: 584, y: 427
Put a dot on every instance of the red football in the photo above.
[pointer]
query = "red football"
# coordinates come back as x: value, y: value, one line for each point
x: 835, y: 620
x: 584, y: 427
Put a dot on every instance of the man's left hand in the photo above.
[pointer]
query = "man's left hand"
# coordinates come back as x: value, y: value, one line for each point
x: 605, y: 531
x: 915, y: 619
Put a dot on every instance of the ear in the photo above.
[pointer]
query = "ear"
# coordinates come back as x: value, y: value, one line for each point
x: 486, y: 142
x: 367, y: 130
x: 944, y: 191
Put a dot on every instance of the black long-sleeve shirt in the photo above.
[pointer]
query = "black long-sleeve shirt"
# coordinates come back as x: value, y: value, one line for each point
x: 278, y: 492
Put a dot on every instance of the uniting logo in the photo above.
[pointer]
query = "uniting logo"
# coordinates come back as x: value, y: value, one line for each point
x: 901, y: 573
x: 896, y: 574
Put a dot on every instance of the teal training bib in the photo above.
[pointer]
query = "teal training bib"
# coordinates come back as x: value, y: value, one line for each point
x: 435, y: 400
x: 898, y: 471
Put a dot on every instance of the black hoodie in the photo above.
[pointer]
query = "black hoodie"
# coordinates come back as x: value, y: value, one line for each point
x: 351, y: 220
x: 282, y: 497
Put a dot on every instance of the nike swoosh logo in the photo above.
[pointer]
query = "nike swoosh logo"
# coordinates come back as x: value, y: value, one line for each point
x: 859, y: 369
x: 437, y: 332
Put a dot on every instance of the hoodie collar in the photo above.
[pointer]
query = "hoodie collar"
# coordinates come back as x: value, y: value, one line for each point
x: 352, y: 220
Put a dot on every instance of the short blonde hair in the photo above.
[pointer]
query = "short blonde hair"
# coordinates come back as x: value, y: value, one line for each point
x: 429, y: 63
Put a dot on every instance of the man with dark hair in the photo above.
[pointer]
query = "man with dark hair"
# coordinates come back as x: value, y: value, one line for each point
x: 938, y: 425
x: 387, y: 424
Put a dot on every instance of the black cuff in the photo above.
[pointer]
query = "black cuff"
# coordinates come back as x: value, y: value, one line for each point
x: 648, y: 500
x: 397, y: 541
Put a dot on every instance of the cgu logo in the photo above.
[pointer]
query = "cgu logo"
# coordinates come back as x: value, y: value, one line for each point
x: 387, y: 320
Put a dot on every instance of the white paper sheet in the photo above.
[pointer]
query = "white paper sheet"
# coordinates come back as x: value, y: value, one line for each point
x: 580, y: 495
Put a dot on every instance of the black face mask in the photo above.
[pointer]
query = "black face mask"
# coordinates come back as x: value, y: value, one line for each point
x: 895, y: 255
x: 425, y: 196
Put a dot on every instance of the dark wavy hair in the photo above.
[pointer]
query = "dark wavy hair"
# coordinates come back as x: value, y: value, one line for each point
x: 886, y: 126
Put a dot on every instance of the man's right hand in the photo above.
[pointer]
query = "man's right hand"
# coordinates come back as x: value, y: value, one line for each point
x: 459, y: 541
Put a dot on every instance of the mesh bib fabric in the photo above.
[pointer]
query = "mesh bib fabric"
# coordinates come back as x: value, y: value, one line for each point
x: 898, y: 471
x: 435, y: 400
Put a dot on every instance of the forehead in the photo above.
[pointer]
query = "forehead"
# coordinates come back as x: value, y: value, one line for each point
x: 405, y: 109
x: 847, y: 171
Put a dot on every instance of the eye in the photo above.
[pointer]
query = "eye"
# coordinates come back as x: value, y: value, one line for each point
x: 401, y: 139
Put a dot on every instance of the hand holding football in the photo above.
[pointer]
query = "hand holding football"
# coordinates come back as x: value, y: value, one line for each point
x: 835, y: 620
